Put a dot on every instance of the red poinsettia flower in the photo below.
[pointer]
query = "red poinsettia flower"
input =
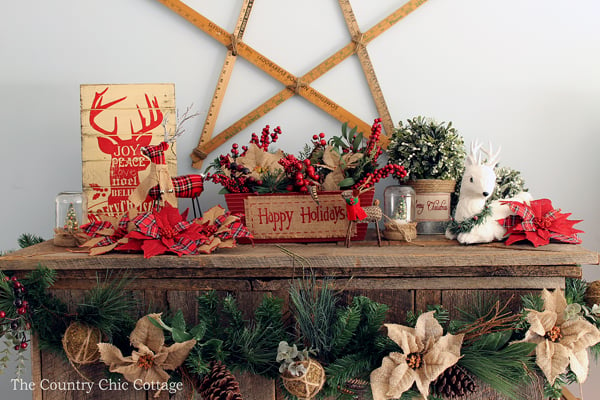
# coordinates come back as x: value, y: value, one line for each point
x: 159, y: 232
x: 538, y: 222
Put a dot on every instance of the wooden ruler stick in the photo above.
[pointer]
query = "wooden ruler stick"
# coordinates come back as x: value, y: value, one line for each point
x: 308, y: 93
x: 198, y: 154
x: 293, y: 84
x: 319, y: 71
x: 367, y: 67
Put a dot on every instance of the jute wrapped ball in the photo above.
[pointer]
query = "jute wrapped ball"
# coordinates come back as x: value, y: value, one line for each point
x: 592, y: 294
x: 307, y: 386
x: 80, y: 343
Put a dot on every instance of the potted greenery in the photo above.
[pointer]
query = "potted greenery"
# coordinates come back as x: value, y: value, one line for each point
x: 433, y: 155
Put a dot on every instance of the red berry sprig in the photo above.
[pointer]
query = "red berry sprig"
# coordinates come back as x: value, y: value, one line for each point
x: 319, y: 140
x: 302, y: 173
x: 373, y: 148
x: 266, y: 138
x: 372, y: 178
x: 20, y: 323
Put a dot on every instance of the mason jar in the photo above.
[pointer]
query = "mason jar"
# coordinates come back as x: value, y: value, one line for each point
x: 70, y: 211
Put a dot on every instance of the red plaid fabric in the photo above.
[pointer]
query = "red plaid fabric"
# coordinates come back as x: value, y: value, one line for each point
x: 538, y: 222
x: 156, y: 153
x: 92, y: 228
x: 158, y: 232
x: 186, y: 186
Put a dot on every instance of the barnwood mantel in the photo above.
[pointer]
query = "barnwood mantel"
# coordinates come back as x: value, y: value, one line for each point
x: 405, y: 276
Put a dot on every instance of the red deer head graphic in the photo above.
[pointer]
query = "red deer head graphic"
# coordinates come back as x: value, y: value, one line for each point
x: 126, y: 158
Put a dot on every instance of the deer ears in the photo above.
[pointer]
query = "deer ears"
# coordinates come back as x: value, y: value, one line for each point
x: 475, y: 155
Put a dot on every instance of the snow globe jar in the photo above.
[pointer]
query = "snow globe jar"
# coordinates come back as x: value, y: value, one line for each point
x: 70, y: 214
x: 399, y: 207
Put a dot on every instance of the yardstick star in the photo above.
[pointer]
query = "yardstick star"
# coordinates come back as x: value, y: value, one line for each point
x: 293, y: 85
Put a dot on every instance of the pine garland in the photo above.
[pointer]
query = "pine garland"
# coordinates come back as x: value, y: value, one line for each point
x: 351, y: 343
x: 224, y: 335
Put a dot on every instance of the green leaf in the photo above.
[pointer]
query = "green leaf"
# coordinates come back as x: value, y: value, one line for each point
x: 199, y: 331
x: 160, y: 324
x: 180, y: 335
x: 344, y: 129
x: 347, y: 182
x: 357, y: 141
x: 178, y: 321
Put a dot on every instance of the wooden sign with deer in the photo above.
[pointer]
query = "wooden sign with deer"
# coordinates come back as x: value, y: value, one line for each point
x: 116, y: 122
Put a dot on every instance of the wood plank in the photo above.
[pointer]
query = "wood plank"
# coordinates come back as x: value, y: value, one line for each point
x: 425, y: 297
x: 36, y: 367
x: 456, y: 300
x: 332, y: 260
x: 400, y: 301
x: 255, y: 387
x: 431, y: 283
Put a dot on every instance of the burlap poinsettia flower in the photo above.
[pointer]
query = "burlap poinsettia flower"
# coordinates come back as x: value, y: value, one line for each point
x: 260, y: 162
x: 219, y: 229
x: 148, y: 363
x: 107, y: 233
x: 561, y: 342
x: 427, y: 353
x: 538, y: 222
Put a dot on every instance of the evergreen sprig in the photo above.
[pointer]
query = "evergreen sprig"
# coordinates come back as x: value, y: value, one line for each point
x: 50, y: 317
x: 504, y: 369
x: 315, y: 313
x: 554, y: 391
x: 223, y: 334
x: 509, y: 183
x: 575, y: 291
x: 29, y: 239
x: 441, y: 315
x: 108, y: 306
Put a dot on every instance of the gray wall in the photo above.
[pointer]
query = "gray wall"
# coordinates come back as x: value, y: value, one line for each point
x: 524, y: 74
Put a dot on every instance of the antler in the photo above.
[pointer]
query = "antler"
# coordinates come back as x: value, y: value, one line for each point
x: 474, y: 156
x: 493, y: 158
x: 98, y: 107
x: 156, y: 117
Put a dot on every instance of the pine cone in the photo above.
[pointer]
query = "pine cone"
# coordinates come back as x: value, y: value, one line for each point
x: 354, y: 387
x: 219, y: 384
x: 454, y: 382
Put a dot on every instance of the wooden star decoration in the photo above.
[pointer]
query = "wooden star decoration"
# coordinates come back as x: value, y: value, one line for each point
x: 292, y: 84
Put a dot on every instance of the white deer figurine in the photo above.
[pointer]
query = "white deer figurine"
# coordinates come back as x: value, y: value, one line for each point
x: 475, y: 218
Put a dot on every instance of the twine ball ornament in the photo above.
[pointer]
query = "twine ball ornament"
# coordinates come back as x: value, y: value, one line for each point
x: 307, y: 386
x: 80, y: 343
x: 592, y: 294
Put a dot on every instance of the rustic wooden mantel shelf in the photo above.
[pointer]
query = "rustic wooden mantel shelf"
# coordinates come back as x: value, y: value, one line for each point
x: 405, y: 276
